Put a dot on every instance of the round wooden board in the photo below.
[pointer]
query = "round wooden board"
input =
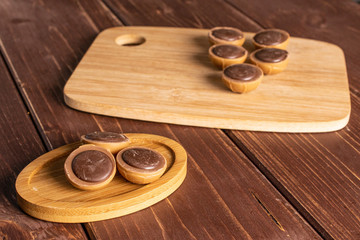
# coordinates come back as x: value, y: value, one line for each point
x: 44, y: 192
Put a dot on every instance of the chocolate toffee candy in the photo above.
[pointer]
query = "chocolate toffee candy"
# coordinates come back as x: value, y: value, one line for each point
x: 226, y: 35
x: 243, y: 72
x: 105, y: 136
x: 270, y: 60
x: 228, y: 51
x: 90, y: 167
x: 271, y: 38
x: 242, y: 78
x: 140, y: 165
x: 114, y: 142
x: 271, y: 55
x: 142, y: 158
x: 223, y: 55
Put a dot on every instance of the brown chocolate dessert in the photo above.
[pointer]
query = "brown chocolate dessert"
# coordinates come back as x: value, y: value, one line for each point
x: 270, y: 60
x: 226, y: 35
x: 242, y: 78
x: 223, y: 55
x: 243, y: 72
x: 90, y: 167
x: 140, y: 165
x: 106, y: 136
x: 142, y: 158
x: 228, y: 51
x: 271, y: 55
x: 271, y: 38
x: 114, y: 142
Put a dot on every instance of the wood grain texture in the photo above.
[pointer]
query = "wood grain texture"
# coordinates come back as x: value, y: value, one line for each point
x: 19, y: 143
x: 336, y: 22
x: 172, y: 71
x: 44, y: 192
x: 181, y: 13
x: 33, y: 23
x: 230, y: 212
x: 328, y: 166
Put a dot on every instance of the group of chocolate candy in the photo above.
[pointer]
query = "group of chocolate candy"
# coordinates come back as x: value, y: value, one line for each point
x: 228, y: 54
x: 93, y: 165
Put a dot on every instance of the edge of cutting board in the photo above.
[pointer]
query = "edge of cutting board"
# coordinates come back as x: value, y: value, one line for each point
x: 44, y: 192
x: 184, y: 118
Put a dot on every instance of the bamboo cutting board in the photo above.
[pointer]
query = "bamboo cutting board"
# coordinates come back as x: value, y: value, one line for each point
x: 164, y: 75
x: 44, y: 192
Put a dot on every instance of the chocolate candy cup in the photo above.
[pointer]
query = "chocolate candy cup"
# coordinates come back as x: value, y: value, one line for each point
x: 90, y: 167
x: 114, y: 142
x: 223, y: 55
x: 270, y: 60
x: 226, y: 35
x: 271, y: 38
x: 140, y: 165
x: 242, y: 78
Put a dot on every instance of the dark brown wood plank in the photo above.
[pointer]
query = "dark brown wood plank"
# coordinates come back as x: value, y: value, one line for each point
x: 19, y: 145
x: 318, y: 173
x: 33, y: 30
x: 216, y: 200
x: 180, y: 13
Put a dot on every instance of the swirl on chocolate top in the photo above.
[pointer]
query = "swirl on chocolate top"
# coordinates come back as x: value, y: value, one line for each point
x: 243, y: 72
x: 143, y: 158
x: 92, y: 166
x: 228, y: 51
x: 106, y: 136
x: 270, y: 37
x: 227, y: 34
x: 271, y: 55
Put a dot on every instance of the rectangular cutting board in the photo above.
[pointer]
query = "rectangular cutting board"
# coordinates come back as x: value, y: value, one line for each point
x: 164, y: 74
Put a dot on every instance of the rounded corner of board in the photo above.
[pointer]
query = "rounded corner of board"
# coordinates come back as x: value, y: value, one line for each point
x: 67, y: 99
x: 332, y: 45
x: 344, y: 121
x: 336, y: 125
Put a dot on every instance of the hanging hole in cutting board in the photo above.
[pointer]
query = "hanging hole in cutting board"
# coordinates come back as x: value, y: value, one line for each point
x: 130, y: 40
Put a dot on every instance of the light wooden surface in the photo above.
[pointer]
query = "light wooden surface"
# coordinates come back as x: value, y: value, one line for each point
x: 44, y: 193
x: 169, y: 78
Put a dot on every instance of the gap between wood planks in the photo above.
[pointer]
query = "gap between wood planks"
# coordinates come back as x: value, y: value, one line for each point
x: 23, y: 96
x: 279, y: 187
x: 268, y: 211
x: 243, y: 13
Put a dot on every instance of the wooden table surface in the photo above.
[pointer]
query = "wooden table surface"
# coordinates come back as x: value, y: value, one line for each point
x: 239, y: 184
